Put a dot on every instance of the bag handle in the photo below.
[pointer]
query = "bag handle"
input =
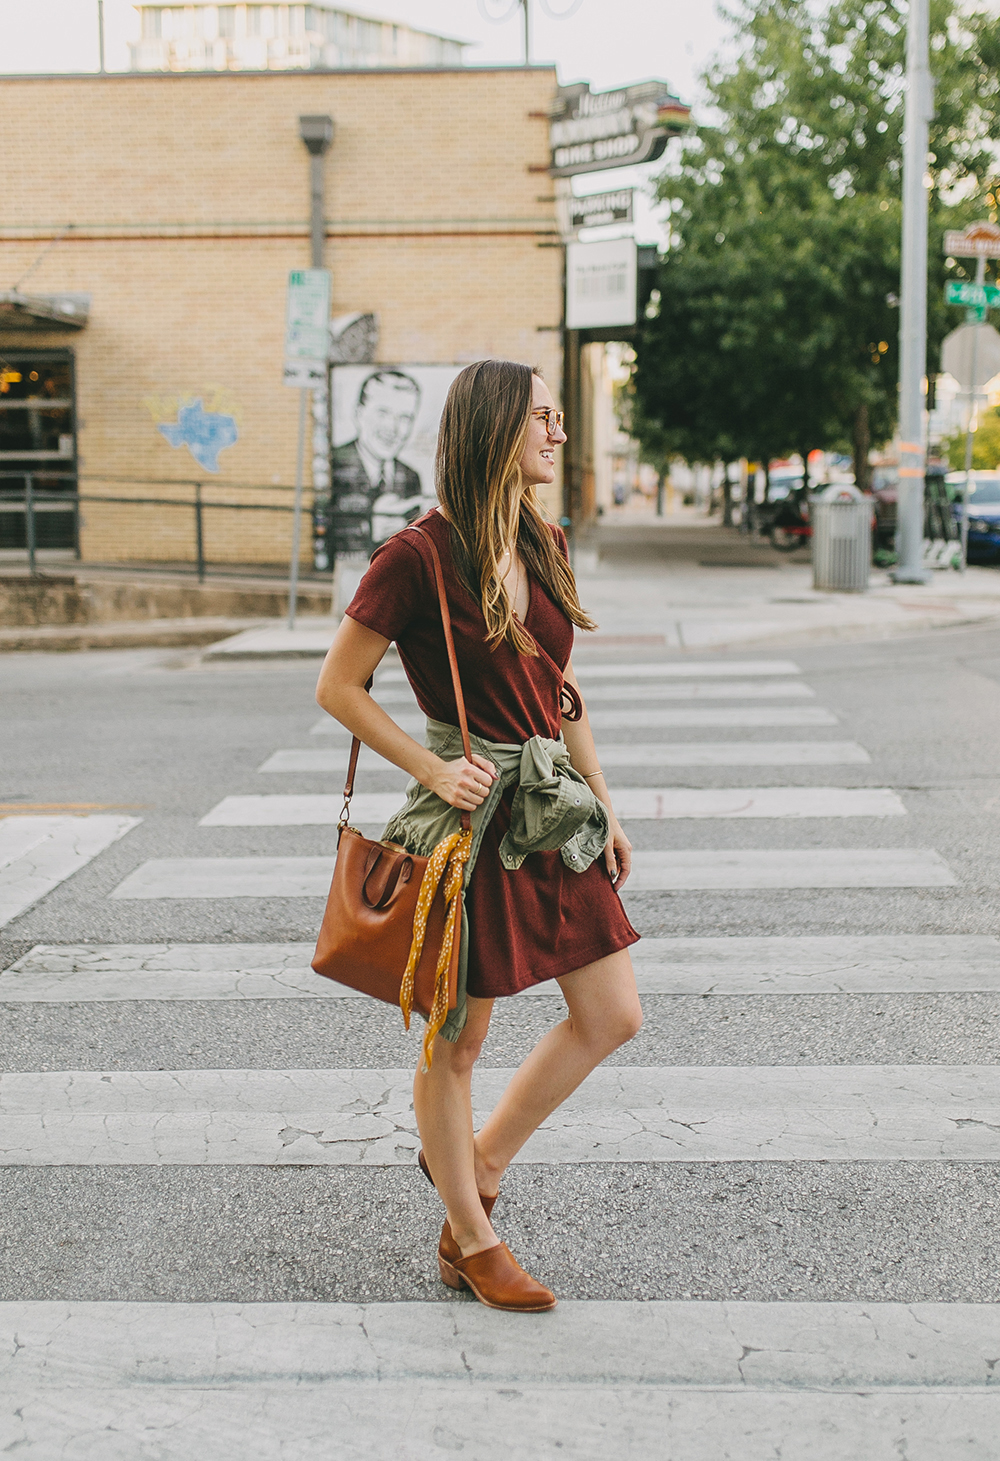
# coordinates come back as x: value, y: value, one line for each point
x: 456, y: 682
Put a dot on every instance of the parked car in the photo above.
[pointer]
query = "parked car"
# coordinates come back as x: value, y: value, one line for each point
x: 984, y: 511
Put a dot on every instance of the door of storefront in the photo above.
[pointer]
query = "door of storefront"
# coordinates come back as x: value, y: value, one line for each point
x: 37, y: 446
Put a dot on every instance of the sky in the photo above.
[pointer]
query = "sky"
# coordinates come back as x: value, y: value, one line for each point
x: 609, y: 43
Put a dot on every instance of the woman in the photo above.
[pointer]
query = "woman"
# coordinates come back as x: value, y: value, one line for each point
x: 513, y: 603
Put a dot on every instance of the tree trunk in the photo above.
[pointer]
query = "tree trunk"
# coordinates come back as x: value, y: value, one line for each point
x: 861, y: 438
x: 727, y: 502
x: 804, y: 454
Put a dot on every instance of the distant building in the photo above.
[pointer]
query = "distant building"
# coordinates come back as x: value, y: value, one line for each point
x: 202, y: 37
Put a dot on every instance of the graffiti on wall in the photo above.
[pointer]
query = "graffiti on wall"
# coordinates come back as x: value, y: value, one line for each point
x: 206, y: 422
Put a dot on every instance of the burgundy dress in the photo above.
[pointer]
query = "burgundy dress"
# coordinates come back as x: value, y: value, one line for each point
x: 544, y: 919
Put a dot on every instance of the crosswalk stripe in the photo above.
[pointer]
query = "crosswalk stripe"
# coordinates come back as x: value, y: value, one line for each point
x: 836, y: 964
x: 669, y: 1345
x: 628, y: 718
x: 686, y: 870
x: 692, y: 869
x: 630, y: 803
x: 39, y: 853
x: 843, y: 1113
x: 680, y: 753
x: 699, y: 690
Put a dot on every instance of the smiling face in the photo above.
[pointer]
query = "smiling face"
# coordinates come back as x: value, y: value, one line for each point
x: 538, y: 458
x: 385, y: 417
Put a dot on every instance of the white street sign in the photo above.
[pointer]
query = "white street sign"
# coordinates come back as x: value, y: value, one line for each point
x: 305, y: 373
x: 600, y: 284
x: 307, y: 315
x: 978, y: 241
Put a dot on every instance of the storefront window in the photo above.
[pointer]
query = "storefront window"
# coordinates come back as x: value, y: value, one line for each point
x: 37, y: 438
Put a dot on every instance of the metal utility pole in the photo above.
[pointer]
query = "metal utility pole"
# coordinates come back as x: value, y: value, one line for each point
x: 913, y: 301
x: 100, y: 33
x: 972, y: 421
x: 527, y: 34
x: 317, y: 134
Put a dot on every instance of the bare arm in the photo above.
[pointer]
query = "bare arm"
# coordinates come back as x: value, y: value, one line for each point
x: 352, y: 659
x: 579, y: 740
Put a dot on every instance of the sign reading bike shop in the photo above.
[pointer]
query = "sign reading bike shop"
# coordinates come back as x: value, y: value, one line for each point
x: 594, y: 130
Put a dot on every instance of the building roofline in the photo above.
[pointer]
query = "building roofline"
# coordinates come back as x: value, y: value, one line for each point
x: 296, y: 71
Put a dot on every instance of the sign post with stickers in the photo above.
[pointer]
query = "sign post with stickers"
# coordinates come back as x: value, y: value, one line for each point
x: 979, y: 241
x: 307, y: 351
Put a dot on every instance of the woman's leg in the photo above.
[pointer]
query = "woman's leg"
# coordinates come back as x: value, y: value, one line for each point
x: 442, y: 1100
x: 604, y: 1013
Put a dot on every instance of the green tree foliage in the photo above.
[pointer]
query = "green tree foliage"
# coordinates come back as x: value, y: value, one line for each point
x: 985, y: 445
x: 778, y: 320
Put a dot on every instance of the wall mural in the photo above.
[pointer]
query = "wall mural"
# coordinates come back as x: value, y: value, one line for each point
x: 206, y: 422
x: 385, y: 422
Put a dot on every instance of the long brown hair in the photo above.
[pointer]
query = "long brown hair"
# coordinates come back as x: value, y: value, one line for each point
x: 484, y: 427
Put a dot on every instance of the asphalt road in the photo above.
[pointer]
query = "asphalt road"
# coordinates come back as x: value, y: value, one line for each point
x: 166, y: 737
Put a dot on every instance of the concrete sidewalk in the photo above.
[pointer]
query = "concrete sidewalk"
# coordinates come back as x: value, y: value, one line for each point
x: 678, y: 584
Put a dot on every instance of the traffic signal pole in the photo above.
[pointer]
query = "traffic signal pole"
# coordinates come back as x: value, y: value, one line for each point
x: 913, y: 301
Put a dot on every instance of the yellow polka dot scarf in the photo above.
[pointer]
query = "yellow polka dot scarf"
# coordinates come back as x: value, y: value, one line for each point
x: 447, y: 863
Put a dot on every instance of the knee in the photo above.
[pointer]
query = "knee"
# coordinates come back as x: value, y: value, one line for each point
x: 462, y: 1055
x: 616, y: 1026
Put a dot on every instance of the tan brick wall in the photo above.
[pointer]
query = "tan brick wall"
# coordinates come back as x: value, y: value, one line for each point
x: 189, y: 198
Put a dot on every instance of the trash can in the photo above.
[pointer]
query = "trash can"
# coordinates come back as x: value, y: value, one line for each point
x: 842, y: 540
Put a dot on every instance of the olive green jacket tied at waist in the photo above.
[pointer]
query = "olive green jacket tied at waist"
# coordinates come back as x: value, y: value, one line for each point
x: 553, y: 808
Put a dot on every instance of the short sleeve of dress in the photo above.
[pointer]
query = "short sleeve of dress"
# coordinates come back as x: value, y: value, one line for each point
x: 393, y: 591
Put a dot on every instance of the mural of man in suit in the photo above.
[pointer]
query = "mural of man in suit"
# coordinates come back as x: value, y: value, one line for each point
x: 374, y: 493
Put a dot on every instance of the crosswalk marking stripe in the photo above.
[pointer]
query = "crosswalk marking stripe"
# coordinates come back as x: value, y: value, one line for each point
x: 685, y: 870
x: 889, y: 963
x: 691, y: 869
x: 630, y: 802
x: 659, y: 1345
x: 710, y: 715
x: 839, y: 964
x: 679, y: 753
x: 625, y: 1113
x: 39, y: 853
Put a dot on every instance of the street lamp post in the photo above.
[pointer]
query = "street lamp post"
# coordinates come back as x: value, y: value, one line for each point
x: 913, y: 300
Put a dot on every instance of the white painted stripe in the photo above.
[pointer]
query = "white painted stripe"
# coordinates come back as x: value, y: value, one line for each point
x: 625, y: 1113
x: 700, y: 690
x: 301, y: 811
x: 39, y: 853
x: 685, y: 870
x: 392, y: 1418
x: 627, y: 718
x: 655, y: 1345
x: 840, y: 964
x: 632, y: 802
x: 732, y: 753
x: 229, y: 877
x: 766, y: 801
x: 329, y: 760
x: 680, y: 753
x: 691, y: 869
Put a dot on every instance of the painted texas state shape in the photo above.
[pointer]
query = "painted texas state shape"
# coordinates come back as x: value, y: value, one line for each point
x: 204, y: 433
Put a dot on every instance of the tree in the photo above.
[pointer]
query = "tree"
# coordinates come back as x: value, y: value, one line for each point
x: 778, y: 317
x: 985, y: 445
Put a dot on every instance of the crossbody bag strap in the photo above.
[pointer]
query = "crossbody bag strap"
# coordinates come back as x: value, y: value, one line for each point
x: 449, y: 640
x: 463, y: 724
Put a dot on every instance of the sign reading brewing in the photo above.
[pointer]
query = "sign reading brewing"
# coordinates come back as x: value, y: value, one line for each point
x: 591, y: 131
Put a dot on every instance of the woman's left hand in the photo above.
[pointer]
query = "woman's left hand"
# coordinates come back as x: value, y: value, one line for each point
x: 618, y: 853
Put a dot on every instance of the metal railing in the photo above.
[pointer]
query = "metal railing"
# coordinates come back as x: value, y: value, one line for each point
x: 33, y: 501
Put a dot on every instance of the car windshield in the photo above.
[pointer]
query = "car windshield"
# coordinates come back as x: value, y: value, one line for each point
x: 988, y: 491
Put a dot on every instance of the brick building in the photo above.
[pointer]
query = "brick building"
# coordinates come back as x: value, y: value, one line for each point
x: 149, y: 225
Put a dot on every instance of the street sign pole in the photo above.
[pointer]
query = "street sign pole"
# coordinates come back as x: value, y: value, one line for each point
x: 973, y: 414
x: 913, y: 302
x: 293, y: 575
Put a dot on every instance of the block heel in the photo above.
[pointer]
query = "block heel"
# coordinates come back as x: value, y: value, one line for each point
x: 450, y: 1274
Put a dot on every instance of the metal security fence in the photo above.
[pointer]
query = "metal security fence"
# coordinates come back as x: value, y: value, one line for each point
x: 173, y: 525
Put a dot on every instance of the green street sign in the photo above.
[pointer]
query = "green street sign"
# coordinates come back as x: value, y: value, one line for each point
x: 959, y: 291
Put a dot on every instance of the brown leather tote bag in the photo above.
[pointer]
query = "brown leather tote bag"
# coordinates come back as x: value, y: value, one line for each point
x: 393, y: 921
